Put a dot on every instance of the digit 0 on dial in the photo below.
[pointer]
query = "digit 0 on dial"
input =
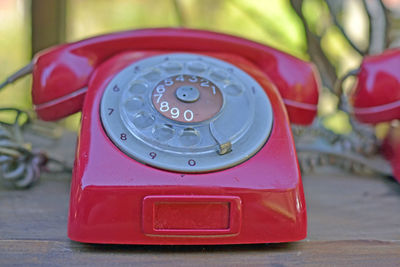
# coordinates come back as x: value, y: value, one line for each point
x: 187, y: 98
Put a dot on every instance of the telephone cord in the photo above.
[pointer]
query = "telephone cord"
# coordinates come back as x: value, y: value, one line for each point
x: 20, y: 166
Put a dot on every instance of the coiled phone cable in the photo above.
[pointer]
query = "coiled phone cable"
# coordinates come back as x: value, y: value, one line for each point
x: 20, y: 165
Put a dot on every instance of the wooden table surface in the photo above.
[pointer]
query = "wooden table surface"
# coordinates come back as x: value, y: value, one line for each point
x: 352, y: 221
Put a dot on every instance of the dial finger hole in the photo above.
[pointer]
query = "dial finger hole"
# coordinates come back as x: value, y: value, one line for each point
x: 196, y: 66
x: 163, y: 132
x: 233, y: 89
x: 172, y: 66
x: 134, y: 104
x: 138, y: 88
x: 219, y: 75
x: 189, y: 137
x: 143, y: 120
x: 152, y: 75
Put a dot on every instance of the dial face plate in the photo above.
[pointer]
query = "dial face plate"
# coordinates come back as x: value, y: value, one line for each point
x: 186, y: 112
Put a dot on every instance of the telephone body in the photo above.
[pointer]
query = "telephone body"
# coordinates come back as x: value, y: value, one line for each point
x: 184, y: 139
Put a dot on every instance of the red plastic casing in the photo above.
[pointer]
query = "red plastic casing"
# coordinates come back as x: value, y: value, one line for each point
x: 391, y: 150
x: 115, y: 199
x: 61, y: 74
x: 376, y: 97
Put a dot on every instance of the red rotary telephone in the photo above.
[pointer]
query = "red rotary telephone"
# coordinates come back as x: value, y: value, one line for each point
x: 185, y: 136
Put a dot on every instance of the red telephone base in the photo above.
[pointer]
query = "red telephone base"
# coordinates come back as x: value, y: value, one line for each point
x: 115, y: 199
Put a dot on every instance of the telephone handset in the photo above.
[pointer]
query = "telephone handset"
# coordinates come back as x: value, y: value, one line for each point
x: 376, y: 99
x: 73, y: 64
x: 184, y: 136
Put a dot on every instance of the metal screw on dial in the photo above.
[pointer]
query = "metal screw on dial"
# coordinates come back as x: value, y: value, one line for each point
x: 188, y: 94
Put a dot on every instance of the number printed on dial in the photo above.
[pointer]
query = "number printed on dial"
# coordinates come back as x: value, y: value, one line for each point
x: 187, y: 98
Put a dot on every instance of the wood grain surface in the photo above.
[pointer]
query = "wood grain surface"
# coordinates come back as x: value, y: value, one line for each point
x: 353, y: 221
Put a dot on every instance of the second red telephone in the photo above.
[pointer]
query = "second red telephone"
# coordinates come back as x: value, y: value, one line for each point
x: 185, y: 136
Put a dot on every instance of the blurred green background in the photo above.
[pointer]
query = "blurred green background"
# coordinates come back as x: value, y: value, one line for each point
x: 274, y: 23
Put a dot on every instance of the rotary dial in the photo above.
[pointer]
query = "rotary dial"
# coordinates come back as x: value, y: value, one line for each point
x: 186, y: 112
